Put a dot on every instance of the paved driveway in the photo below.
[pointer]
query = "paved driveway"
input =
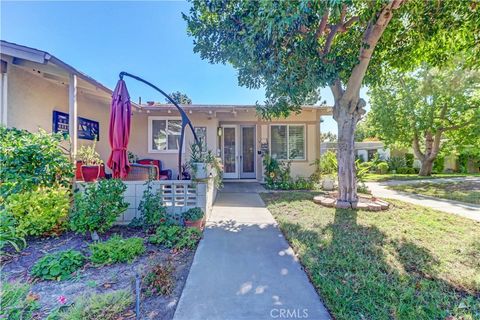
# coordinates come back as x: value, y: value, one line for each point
x: 244, y: 268
x: 467, y: 210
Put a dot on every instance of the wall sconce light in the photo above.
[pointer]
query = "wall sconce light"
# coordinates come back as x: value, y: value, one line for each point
x: 219, y: 131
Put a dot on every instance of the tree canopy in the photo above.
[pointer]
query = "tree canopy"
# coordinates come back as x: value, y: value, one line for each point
x: 294, y: 48
x: 179, y: 97
x: 428, y: 108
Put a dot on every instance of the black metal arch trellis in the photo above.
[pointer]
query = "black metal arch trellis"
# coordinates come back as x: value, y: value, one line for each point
x: 185, y: 120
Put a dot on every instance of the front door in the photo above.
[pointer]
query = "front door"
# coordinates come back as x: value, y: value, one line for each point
x: 238, y: 152
x: 247, y: 152
x: 230, y: 152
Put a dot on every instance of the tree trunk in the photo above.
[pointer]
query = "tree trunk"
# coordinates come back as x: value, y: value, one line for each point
x: 426, y: 169
x: 347, y: 180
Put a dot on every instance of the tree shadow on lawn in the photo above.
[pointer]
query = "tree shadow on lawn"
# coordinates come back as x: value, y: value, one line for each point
x: 362, y: 273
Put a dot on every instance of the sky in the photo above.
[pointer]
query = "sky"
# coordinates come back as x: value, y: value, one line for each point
x: 148, y: 39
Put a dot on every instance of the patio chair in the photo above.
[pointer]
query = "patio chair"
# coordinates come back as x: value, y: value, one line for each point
x: 141, y: 172
x: 163, y: 174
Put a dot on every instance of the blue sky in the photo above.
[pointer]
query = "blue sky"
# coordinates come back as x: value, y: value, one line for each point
x: 148, y: 39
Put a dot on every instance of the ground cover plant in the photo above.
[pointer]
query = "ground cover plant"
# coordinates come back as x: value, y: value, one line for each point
x: 16, y: 302
x: 465, y: 191
x: 406, y: 263
x: 116, y: 249
x: 174, y: 236
x: 59, y: 265
x: 160, y: 279
x: 371, y: 177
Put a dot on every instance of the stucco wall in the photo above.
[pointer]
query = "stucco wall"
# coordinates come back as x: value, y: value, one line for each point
x: 32, y: 100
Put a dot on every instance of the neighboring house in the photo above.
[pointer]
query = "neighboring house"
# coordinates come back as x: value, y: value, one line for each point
x: 364, y: 150
x: 36, y: 86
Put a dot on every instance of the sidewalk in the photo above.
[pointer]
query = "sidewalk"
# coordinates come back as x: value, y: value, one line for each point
x: 467, y: 210
x: 244, y: 268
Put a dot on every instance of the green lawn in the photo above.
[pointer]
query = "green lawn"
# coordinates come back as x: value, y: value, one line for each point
x: 466, y: 191
x: 406, y: 263
x: 391, y: 176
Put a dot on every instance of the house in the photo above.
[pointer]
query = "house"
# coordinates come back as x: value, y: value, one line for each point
x: 39, y: 90
x: 364, y: 150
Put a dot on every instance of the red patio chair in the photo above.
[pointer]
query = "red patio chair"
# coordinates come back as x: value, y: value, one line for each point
x: 163, y: 174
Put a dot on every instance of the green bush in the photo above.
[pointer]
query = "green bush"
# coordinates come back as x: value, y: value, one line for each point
x: 39, y: 212
x: 31, y: 161
x: 59, y: 265
x: 193, y: 214
x: 395, y: 163
x: 15, y: 301
x: 406, y: 170
x: 409, y: 158
x: 116, y: 249
x: 151, y: 207
x: 382, y: 168
x: 9, y: 234
x: 98, y: 206
x: 106, y: 306
x: 438, y: 165
x: 173, y: 236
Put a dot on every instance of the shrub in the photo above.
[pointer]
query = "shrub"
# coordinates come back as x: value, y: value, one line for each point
x: 39, y: 212
x: 438, y: 165
x: 160, y: 280
x: 382, y: 168
x: 9, y: 234
x: 394, y: 163
x: 406, y: 170
x: 193, y: 214
x: 106, y: 306
x: 173, y: 236
x: 59, y: 265
x: 15, y: 301
x: 151, y: 207
x: 409, y: 158
x: 31, y: 161
x: 98, y: 206
x: 116, y: 249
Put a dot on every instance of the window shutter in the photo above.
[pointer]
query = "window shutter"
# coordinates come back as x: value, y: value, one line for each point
x: 278, y: 142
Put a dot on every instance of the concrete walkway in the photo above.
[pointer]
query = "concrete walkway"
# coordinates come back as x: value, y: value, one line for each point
x: 244, y: 268
x: 467, y: 210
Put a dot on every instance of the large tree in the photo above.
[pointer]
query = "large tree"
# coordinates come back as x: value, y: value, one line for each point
x: 179, y: 97
x: 428, y: 109
x: 294, y: 48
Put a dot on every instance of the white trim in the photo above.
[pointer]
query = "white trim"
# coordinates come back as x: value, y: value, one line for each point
x: 150, y: 138
x: 288, y: 144
x: 4, y: 101
x: 72, y: 113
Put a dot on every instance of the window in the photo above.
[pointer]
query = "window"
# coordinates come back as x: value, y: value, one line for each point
x: 287, y: 142
x: 201, y: 133
x: 164, y: 134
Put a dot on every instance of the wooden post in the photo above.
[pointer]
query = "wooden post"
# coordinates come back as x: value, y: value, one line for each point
x: 72, y: 112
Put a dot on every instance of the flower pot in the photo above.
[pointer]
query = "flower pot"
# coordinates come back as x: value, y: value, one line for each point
x: 90, y: 173
x: 94, y: 236
x: 194, y: 224
x: 328, y: 184
x: 78, y: 170
x: 200, y: 170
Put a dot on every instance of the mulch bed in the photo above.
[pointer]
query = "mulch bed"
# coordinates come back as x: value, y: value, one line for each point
x: 91, y: 279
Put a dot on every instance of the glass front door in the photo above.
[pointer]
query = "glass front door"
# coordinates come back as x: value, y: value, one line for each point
x: 247, y: 152
x: 229, y: 153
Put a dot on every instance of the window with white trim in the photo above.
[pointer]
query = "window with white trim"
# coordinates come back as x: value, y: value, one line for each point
x: 164, y: 134
x: 287, y: 142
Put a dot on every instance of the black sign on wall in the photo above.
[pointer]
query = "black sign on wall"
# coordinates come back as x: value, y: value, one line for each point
x: 87, y: 129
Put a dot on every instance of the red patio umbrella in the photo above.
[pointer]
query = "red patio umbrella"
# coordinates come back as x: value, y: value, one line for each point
x: 119, y: 133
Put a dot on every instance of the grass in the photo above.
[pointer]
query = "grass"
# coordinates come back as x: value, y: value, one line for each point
x: 464, y: 191
x: 391, y: 176
x: 106, y: 306
x: 406, y: 263
x: 16, y: 301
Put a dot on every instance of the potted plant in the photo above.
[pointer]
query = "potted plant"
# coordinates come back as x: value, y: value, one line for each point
x: 205, y: 164
x: 91, y: 167
x: 193, y: 218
